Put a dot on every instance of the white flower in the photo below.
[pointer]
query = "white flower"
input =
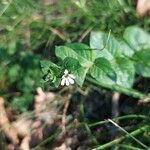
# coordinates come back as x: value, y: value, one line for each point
x: 67, y: 78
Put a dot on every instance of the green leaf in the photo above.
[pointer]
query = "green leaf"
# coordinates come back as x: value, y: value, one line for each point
x: 78, y: 58
x: 45, y: 64
x: 63, y: 51
x: 102, y: 71
x: 139, y: 51
x: 125, y: 71
x: 112, y: 52
x: 83, y: 51
x: 142, y: 62
x: 126, y: 49
x: 71, y: 63
x: 80, y: 52
x: 104, y: 45
x: 137, y: 38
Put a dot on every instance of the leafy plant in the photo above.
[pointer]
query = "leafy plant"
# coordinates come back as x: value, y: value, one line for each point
x: 105, y: 60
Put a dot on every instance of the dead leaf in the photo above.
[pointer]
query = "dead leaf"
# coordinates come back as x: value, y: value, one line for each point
x: 143, y: 7
x: 9, y: 130
x: 25, y: 143
x: 23, y: 126
x: 41, y: 98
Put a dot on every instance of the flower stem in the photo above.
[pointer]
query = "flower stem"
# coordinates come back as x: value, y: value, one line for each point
x: 127, y: 91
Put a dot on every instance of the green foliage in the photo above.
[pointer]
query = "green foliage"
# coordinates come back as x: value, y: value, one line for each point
x: 20, y: 74
x: 102, y: 71
x: 138, y: 49
x: 111, y: 50
x: 30, y: 29
x: 142, y: 59
x: 51, y: 72
x: 104, y: 60
x: 21, y: 103
x: 137, y: 38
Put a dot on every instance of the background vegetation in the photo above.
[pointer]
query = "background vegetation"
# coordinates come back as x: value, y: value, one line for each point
x: 29, y: 32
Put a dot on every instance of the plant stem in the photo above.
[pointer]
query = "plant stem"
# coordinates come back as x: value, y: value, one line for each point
x: 118, y: 118
x: 128, y: 147
x: 126, y: 132
x: 109, y: 144
x: 127, y: 91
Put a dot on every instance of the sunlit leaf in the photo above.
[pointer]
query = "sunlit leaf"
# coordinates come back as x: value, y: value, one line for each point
x: 137, y: 38
x: 102, y: 71
x: 112, y: 51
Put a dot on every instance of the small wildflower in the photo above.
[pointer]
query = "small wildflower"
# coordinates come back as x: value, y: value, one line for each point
x: 67, y: 78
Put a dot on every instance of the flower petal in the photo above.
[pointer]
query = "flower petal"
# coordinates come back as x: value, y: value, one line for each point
x: 67, y: 82
x: 70, y: 80
x: 72, y: 76
x: 63, y: 81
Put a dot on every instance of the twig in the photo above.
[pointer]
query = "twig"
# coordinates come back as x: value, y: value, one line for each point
x: 85, y: 34
x: 59, y: 34
x: 64, y: 113
x: 84, y: 93
x: 144, y: 101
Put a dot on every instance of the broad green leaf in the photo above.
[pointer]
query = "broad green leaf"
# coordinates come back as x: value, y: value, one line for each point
x: 125, y: 71
x: 74, y: 67
x: 71, y: 63
x: 78, y: 58
x: 139, y: 51
x: 112, y: 52
x: 137, y: 38
x: 83, y: 51
x: 48, y: 63
x: 102, y: 71
x: 77, y: 51
x: 104, y: 45
x: 63, y: 51
x: 142, y: 62
x: 126, y: 50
